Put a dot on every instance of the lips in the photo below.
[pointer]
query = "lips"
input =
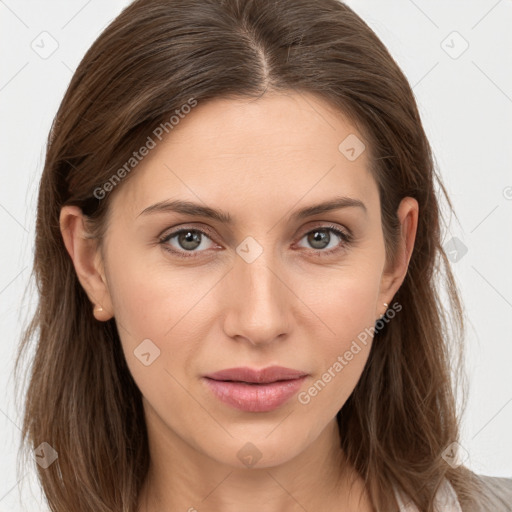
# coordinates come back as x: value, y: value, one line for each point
x: 253, y: 390
x: 264, y: 376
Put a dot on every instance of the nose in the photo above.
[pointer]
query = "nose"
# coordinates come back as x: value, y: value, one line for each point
x: 259, y: 302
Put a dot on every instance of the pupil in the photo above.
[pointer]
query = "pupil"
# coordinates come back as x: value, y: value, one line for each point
x: 320, y: 237
x: 189, y: 240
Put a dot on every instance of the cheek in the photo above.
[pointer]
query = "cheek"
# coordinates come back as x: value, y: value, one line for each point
x: 341, y: 361
x: 151, y: 315
x: 150, y: 297
x: 167, y: 306
x: 346, y: 309
x: 345, y: 302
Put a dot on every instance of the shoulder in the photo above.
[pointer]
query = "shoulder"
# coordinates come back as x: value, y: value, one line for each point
x: 497, y: 491
x: 495, y: 496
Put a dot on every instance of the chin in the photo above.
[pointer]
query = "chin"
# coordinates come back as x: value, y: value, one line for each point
x: 257, y: 451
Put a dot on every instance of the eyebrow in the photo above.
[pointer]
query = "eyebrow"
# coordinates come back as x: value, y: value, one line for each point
x: 198, y: 210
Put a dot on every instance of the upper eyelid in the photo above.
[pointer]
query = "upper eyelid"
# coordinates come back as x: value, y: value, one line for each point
x: 176, y: 231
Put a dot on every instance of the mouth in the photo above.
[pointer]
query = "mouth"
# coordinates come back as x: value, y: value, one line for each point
x: 253, y: 390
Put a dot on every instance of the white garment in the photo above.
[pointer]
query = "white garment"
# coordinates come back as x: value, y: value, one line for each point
x: 445, y: 500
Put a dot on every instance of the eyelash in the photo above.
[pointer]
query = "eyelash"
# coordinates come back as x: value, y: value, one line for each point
x: 346, y: 238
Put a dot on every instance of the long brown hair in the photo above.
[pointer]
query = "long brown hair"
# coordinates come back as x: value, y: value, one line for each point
x: 148, y: 63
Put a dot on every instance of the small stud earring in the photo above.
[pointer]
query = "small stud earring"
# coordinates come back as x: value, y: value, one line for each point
x: 101, y: 314
x: 382, y: 316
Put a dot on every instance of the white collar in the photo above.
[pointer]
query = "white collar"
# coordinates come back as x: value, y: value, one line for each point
x: 446, y: 499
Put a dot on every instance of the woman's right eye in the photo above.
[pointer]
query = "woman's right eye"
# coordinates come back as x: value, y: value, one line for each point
x: 186, y: 240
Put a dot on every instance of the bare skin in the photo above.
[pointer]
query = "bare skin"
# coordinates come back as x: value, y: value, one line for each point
x: 295, y: 305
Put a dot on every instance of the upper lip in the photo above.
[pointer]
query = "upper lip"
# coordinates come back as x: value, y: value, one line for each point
x: 263, y: 376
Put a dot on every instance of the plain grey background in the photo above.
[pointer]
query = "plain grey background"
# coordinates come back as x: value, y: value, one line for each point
x: 457, y: 56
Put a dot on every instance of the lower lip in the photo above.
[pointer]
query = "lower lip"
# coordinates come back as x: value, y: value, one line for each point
x: 255, y: 397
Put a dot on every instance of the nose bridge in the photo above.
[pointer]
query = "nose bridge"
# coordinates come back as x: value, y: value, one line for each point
x: 259, y: 306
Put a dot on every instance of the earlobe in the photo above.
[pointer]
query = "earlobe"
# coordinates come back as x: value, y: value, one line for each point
x: 87, y: 260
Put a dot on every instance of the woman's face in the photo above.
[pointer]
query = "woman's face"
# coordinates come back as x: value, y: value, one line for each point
x: 274, y: 286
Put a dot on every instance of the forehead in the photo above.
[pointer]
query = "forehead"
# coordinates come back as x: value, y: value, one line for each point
x: 278, y: 148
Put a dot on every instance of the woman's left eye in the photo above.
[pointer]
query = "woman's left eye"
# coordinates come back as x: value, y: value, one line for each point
x: 320, y: 239
x: 188, y: 240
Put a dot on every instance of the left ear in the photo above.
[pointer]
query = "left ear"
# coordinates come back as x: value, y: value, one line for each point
x: 392, y: 279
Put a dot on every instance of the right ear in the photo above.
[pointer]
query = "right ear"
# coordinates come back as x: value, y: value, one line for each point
x: 87, y: 260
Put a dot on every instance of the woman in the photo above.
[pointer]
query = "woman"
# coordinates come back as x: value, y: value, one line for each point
x: 237, y: 252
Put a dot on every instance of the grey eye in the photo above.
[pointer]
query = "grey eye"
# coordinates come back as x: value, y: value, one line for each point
x: 187, y: 240
x: 321, y: 238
